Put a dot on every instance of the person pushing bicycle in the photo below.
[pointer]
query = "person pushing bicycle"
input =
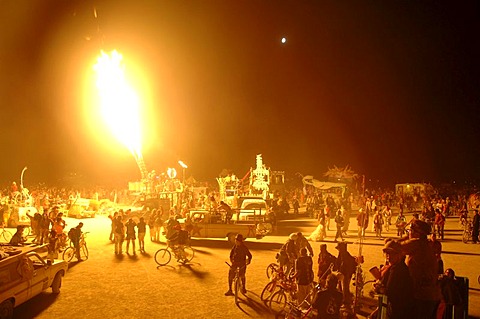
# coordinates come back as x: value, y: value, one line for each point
x: 240, y: 257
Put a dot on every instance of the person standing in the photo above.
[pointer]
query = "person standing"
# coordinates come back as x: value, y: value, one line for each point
x: 44, y: 228
x: 130, y: 235
x: 322, y: 221
x: 439, y: 224
x: 362, y: 222
x: 326, y: 261
x: 118, y: 235
x: 346, y: 265
x: 75, y: 238
x: 53, y: 246
x: 339, y: 221
x: 387, y: 215
x: 396, y: 283
x: 112, y: 218
x: 240, y: 257
x: 378, y: 223
x: 142, y: 229
x: 423, y: 268
x: 400, y: 223
x: 151, y: 224
x: 304, y: 276
x: 476, y: 226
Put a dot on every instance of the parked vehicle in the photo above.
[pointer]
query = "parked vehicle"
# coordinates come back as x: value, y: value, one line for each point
x: 25, y: 274
x: 207, y: 224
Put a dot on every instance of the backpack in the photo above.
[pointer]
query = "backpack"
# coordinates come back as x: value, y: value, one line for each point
x: 71, y: 233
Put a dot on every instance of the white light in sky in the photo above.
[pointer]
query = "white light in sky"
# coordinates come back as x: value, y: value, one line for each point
x: 284, y: 40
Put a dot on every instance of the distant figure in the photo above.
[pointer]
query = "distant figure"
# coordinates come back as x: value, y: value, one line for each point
x: 130, y: 235
x: 339, y: 221
x: 142, y: 229
x: 118, y: 235
x: 362, y: 222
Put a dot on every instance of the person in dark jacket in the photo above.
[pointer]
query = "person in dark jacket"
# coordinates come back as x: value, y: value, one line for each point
x: 328, y: 301
x: 476, y: 226
x: 396, y: 283
x: 304, y: 276
x: 240, y: 257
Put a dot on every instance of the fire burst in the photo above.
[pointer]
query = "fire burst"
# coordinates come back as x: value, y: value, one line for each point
x: 119, y: 103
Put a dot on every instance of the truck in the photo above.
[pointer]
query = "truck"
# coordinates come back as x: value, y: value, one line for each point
x: 251, y: 209
x: 209, y: 224
x: 24, y: 273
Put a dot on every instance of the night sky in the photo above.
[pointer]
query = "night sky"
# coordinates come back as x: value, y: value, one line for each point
x: 390, y: 88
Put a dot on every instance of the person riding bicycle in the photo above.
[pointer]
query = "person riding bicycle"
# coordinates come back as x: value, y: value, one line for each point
x: 178, y: 237
x: 240, y: 257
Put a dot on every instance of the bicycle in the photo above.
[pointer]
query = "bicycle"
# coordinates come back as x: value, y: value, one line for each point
x: 182, y: 253
x: 69, y: 253
x: 287, y: 293
x: 296, y: 311
x: 236, y: 283
x: 6, y: 235
x: 273, y: 285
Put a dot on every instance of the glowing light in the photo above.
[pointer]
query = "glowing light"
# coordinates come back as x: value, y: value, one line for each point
x: 284, y: 40
x: 182, y: 164
x: 119, y: 103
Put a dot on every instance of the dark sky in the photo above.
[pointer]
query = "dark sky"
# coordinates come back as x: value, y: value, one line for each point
x: 390, y: 88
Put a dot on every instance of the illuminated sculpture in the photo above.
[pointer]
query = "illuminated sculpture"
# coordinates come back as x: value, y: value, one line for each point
x: 260, y: 178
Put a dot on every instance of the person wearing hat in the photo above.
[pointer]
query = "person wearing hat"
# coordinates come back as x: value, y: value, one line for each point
x: 396, y: 282
x: 289, y: 253
x: 423, y: 268
x: 346, y: 265
x: 17, y: 238
x: 240, y: 257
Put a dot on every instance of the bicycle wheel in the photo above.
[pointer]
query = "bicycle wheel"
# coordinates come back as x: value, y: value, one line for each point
x: 68, y: 254
x: 236, y: 289
x: 188, y: 254
x: 84, y: 252
x: 162, y: 257
x: 271, y: 269
x: 7, y: 235
x: 278, y: 302
x: 269, y: 290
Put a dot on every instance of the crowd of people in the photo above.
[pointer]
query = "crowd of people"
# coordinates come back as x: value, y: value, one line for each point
x: 48, y: 228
